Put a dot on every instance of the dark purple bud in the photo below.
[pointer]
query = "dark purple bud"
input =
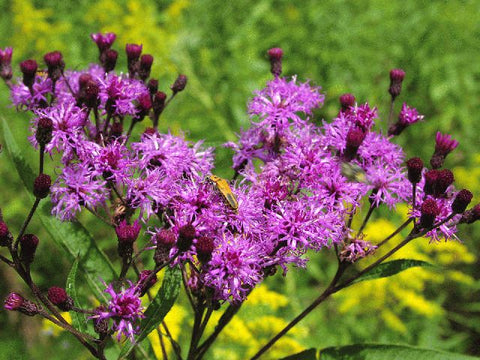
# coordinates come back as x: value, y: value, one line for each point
x: 146, y: 62
x: 133, y: 54
x: 429, y: 211
x: 6, y: 72
x: 149, y: 131
x: 144, y: 104
x: 145, y: 281
x: 431, y: 177
x: 205, y: 247
x: 103, y: 41
x: 396, y: 79
x: 152, y: 86
x: 415, y: 167
x: 346, y: 101
x: 158, y: 104
x: 41, y: 186
x: 59, y: 297
x: 444, y: 180
x: 186, y: 234
x: 43, y: 135
x: 109, y: 60
x: 88, y: 92
x: 355, y: 138
x: 472, y: 215
x: 179, y: 84
x: 28, y: 243
x: 133, y: 51
x: 28, y: 69
x: 55, y: 64
x: 275, y: 56
x: 165, y: 240
x: 5, y: 236
x: 461, y: 201
x: 16, y: 302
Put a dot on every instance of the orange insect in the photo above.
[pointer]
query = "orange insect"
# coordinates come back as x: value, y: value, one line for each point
x: 225, y: 190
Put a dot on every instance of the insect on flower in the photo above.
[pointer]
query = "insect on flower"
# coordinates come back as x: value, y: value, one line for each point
x: 225, y: 190
x: 354, y: 173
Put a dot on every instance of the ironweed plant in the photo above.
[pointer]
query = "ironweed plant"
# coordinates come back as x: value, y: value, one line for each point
x: 297, y: 187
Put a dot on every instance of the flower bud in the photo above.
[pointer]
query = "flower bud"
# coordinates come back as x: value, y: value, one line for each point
x: 415, y: 167
x: 28, y: 243
x: 103, y: 41
x: 29, y: 69
x: 133, y: 54
x: 444, y: 145
x: 470, y: 216
x: 109, y: 60
x: 127, y: 234
x: 461, y: 201
x: 158, y: 105
x: 5, y: 236
x: 6, y: 63
x: 165, y: 240
x: 152, y: 86
x: 355, y: 138
x: 88, y: 92
x: 16, y: 302
x: 55, y: 64
x: 186, y: 234
x: 43, y: 135
x: 145, y: 66
x: 41, y: 186
x: 116, y: 130
x: 144, y: 104
x: 179, y: 84
x: 431, y: 177
x: 275, y: 56
x: 444, y: 180
x: 429, y: 211
x: 396, y: 79
x: 346, y: 101
x: 205, y: 247
x: 59, y: 297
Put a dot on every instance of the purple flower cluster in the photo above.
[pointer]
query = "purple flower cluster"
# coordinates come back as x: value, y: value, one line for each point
x: 300, y: 180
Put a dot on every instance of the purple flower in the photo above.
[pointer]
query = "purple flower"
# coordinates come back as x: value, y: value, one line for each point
x: 22, y: 98
x: 235, y: 268
x: 125, y: 309
x: 74, y: 188
x: 409, y: 116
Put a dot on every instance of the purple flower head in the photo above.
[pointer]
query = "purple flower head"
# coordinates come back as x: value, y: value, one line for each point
x: 125, y: 309
x: 5, y: 63
x: 407, y: 116
x: 119, y: 95
x: 444, y: 144
x: 356, y: 250
x: 275, y: 55
x: 347, y: 101
x: 77, y: 186
x: 103, y: 41
x: 235, y: 268
x: 396, y: 79
x: 68, y: 121
x: 128, y: 233
x: 25, y: 99
x: 13, y: 302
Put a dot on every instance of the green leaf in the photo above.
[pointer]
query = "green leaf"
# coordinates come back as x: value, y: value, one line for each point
x: 79, y: 320
x: 71, y: 236
x: 391, y: 352
x: 159, y: 307
x: 310, y: 354
x: 391, y: 268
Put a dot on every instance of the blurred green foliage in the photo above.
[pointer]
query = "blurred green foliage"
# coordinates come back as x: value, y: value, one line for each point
x: 344, y: 46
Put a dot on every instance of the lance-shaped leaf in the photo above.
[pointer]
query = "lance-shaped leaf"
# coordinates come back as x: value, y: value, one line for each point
x: 159, y: 307
x: 71, y: 236
x: 391, y: 268
x: 391, y: 352
x: 78, y: 320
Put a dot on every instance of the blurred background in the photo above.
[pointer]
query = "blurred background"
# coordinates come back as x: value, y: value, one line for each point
x: 343, y: 46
